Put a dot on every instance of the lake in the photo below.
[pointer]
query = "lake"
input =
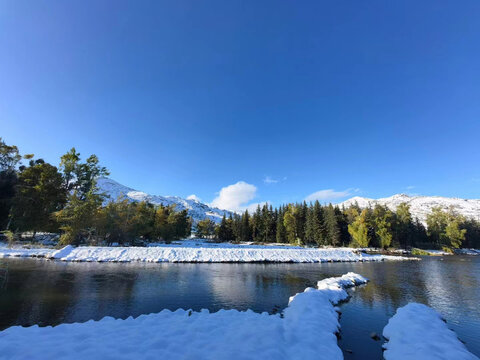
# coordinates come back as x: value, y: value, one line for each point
x: 50, y: 292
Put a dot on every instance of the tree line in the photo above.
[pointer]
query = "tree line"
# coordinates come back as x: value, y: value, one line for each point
x: 40, y: 197
x: 328, y: 225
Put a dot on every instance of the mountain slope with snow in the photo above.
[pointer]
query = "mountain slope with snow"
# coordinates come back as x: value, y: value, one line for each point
x: 197, y: 210
x: 421, y: 206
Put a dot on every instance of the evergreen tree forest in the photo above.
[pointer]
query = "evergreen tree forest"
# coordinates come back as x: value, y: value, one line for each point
x: 36, y: 196
x: 328, y: 225
x: 41, y: 197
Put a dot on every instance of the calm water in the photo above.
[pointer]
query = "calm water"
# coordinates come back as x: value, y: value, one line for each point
x: 48, y: 293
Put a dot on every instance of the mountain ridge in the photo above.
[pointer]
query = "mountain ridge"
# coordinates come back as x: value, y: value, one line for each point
x: 421, y: 205
x: 196, y: 209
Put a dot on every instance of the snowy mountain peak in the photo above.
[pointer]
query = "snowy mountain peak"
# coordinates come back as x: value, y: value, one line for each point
x: 197, y: 210
x: 421, y: 206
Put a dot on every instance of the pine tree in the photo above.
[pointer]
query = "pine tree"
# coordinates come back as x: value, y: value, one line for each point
x: 39, y: 194
x: 281, y: 234
x: 331, y: 226
x: 290, y: 223
x: 224, y: 232
x: 315, y: 226
x: 245, y: 229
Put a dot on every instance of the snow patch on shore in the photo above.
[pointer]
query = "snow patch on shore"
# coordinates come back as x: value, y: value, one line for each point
x: 417, y: 331
x: 305, y: 330
x: 201, y: 254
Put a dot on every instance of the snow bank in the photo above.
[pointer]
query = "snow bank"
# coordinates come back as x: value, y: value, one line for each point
x: 220, y: 254
x: 24, y: 252
x: 417, y: 331
x: 305, y: 330
x: 167, y: 253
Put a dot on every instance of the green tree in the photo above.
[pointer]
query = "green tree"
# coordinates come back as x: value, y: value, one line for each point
x: 225, y: 229
x: 245, y: 228
x: 444, y: 228
x: 77, y: 218
x: 315, y: 226
x: 383, y: 219
x: 205, y: 228
x: 454, y: 234
x: 332, y: 229
x: 359, y: 230
x: 290, y: 223
x: 403, y: 227
x: 80, y: 176
x: 9, y: 159
x: 39, y: 194
x: 9, y: 156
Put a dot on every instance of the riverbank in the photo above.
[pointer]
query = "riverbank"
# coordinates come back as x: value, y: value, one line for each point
x: 200, y: 252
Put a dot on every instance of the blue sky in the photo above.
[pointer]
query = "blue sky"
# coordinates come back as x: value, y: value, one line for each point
x: 330, y: 98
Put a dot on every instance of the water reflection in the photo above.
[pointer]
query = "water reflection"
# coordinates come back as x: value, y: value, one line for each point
x: 48, y: 293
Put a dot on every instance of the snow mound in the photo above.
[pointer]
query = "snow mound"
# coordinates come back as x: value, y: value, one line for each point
x: 305, y: 330
x: 61, y: 253
x: 417, y: 331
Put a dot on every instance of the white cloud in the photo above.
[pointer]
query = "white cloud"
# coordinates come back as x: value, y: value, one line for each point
x: 410, y: 187
x: 235, y: 197
x: 194, y: 197
x: 268, y: 180
x: 329, y: 195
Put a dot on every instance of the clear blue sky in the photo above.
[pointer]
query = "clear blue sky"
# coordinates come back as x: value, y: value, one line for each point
x: 367, y: 98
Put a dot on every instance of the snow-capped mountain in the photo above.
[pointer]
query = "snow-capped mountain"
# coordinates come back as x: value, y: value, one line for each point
x: 421, y: 206
x: 197, y: 210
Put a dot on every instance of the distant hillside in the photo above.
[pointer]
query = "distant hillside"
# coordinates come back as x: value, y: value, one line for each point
x: 197, y: 210
x: 421, y: 206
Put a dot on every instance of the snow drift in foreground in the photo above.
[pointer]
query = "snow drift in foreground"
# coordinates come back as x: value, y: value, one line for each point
x: 417, y: 331
x: 222, y: 253
x: 305, y: 330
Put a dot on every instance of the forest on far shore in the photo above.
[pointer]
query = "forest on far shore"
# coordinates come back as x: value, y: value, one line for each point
x: 36, y: 196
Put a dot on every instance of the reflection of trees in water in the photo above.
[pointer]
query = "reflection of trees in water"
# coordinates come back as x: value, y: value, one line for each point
x: 33, y: 298
x: 392, y: 285
x: 447, y: 284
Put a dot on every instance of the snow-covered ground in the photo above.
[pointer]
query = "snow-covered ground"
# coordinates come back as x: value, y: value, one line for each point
x: 200, y: 252
x: 417, y: 331
x: 305, y: 330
